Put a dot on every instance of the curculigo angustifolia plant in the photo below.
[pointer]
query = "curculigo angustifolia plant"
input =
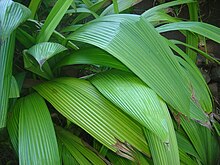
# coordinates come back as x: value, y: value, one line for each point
x: 138, y: 96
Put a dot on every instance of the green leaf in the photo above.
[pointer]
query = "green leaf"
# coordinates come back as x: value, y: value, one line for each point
x: 201, y: 28
x: 94, y: 8
x: 13, y: 124
x: 203, y: 140
x: 118, y: 160
x: 147, y: 14
x: 133, y: 96
x: 82, y: 10
x: 24, y: 38
x: 91, y: 55
x: 67, y: 158
x: 151, y: 60
x: 31, y: 64
x: 139, y: 101
x: 37, y: 139
x: 33, y: 6
x: 207, y: 56
x: 185, y: 145
x: 53, y: 20
x: 11, y: 15
x: 159, y: 18
x: 14, y: 89
x: 199, y: 87
x: 119, y: 6
x: 164, y: 153
x: 77, y: 148
x: 74, y: 99
x: 186, y: 159
x: 44, y: 51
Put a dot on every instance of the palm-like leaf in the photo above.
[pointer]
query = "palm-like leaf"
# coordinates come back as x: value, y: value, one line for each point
x: 130, y: 94
x: 43, y: 51
x: 37, y: 140
x: 82, y: 104
x: 78, y: 150
x: 151, y: 60
x: 11, y: 15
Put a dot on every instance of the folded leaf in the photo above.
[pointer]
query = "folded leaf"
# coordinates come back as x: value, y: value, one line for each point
x: 151, y: 59
x: 43, y: 51
x: 82, y: 104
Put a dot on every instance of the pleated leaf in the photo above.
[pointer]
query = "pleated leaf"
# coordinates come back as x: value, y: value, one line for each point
x: 32, y: 65
x: 203, y: 140
x: 186, y: 159
x: 37, y: 139
x: 204, y: 29
x: 43, y: 51
x: 76, y: 147
x: 185, y: 145
x: 6, y: 60
x: 13, y: 124
x: 130, y: 94
x: 12, y: 14
x: 91, y: 55
x: 200, y: 98
x: 81, y: 103
x: 67, y: 157
x: 151, y: 59
x: 164, y: 153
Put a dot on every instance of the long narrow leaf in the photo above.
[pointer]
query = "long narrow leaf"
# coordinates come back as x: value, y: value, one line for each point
x: 11, y: 15
x: 140, y: 102
x: 74, y: 98
x: 119, y: 6
x: 53, y: 20
x: 205, y: 143
x: 14, y: 89
x: 80, y: 152
x: 164, y: 153
x: 132, y: 96
x: 204, y: 29
x: 37, y: 140
x: 152, y: 11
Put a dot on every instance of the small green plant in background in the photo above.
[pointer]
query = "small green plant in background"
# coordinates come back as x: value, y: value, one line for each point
x: 138, y: 96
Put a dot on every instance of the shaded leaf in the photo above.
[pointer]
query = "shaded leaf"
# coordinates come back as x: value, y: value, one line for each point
x: 121, y: 5
x: 14, y: 89
x: 53, y: 19
x: 91, y: 55
x: 43, y: 51
x: 78, y: 150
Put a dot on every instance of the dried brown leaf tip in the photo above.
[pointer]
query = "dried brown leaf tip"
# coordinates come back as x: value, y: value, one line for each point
x: 124, y: 149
